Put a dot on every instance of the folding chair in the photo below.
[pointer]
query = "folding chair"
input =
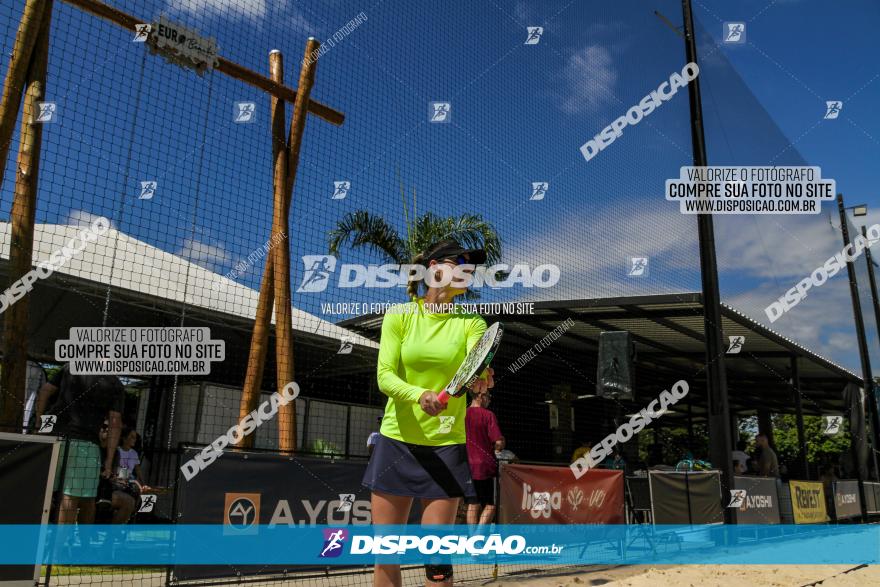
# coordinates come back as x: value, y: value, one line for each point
x: 638, y: 501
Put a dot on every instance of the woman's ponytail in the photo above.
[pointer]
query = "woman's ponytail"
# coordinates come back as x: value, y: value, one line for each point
x: 412, y: 287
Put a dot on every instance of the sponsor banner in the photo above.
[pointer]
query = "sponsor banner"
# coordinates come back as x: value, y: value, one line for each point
x: 808, y: 502
x: 760, y: 505
x: 877, y: 497
x: 298, y: 547
x: 277, y: 491
x: 686, y: 497
x: 536, y: 494
x: 847, y: 503
x: 872, y: 497
x: 182, y: 46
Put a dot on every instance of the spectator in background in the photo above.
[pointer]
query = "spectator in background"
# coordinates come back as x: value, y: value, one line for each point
x: 373, y: 437
x: 581, y: 451
x: 614, y: 461
x: 768, y: 464
x: 84, y: 401
x: 129, y: 468
x: 119, y: 496
x: 741, y: 458
x: 483, y: 439
x: 753, y: 466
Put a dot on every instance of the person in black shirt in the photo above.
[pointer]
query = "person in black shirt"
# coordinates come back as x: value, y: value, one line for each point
x: 83, y: 403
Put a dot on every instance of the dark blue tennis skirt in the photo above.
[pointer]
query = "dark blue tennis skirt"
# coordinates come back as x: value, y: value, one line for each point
x: 413, y: 470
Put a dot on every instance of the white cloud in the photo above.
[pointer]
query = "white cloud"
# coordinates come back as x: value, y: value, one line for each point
x: 775, y: 246
x: 522, y: 12
x: 810, y: 323
x: 760, y: 257
x: 83, y: 218
x: 592, y: 249
x: 208, y: 256
x: 843, y: 343
x: 590, y: 77
x: 252, y: 10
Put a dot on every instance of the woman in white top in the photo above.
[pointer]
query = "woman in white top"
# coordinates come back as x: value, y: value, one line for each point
x: 129, y: 468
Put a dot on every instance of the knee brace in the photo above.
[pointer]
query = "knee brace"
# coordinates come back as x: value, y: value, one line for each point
x: 438, y: 573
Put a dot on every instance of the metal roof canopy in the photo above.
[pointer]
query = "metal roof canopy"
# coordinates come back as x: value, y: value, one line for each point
x: 144, y: 292
x: 668, y: 333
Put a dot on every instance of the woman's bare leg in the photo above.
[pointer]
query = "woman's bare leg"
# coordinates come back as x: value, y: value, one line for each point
x: 488, y: 515
x: 68, y: 510
x: 389, y: 509
x: 439, y: 511
x: 473, y: 514
x: 123, y: 506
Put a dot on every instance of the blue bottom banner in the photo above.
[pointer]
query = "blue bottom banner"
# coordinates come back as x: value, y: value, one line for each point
x: 209, y: 544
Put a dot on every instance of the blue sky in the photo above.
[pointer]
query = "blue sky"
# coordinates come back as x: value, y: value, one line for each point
x: 519, y: 114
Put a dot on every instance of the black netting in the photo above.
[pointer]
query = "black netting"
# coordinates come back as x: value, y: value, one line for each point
x: 181, y: 165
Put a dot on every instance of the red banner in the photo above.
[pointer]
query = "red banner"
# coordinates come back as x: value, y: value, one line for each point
x: 535, y: 494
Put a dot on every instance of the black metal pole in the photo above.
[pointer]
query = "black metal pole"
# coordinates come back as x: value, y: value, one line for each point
x: 860, y: 333
x: 690, y: 406
x: 799, y: 418
x: 716, y: 375
x: 873, y: 394
x: 873, y: 281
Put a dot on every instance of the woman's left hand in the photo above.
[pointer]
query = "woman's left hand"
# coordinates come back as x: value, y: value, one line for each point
x: 484, y: 385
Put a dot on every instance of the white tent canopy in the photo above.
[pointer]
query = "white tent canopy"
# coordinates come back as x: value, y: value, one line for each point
x: 147, y: 270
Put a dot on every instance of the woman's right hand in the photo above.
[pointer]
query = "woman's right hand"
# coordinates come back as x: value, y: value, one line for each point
x: 430, y: 404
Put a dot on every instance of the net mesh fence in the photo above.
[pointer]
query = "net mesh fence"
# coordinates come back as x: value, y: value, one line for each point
x: 760, y: 257
x: 469, y: 127
x: 765, y: 260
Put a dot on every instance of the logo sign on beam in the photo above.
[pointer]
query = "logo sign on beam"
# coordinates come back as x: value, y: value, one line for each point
x: 182, y: 46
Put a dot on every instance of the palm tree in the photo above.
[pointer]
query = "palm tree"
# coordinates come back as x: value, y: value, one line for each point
x: 364, y: 229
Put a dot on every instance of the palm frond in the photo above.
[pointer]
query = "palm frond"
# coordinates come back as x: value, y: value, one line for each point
x: 362, y: 229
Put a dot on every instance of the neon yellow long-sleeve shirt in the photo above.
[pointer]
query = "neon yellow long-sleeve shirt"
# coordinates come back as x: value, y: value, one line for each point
x: 421, y: 351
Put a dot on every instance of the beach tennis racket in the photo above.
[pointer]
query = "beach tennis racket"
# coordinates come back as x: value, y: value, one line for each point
x: 474, y: 363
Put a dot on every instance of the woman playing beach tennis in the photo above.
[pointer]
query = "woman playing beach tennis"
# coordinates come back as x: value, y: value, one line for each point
x: 420, y: 452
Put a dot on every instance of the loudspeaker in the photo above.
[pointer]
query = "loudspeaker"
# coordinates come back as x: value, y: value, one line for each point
x: 616, y: 373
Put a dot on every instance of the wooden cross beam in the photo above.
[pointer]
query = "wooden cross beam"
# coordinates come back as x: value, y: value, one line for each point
x: 226, y: 66
x: 29, y: 61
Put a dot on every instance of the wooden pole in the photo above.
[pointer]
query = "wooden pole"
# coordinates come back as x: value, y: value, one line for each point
x: 281, y: 262
x: 270, y: 288
x: 25, y: 39
x: 226, y: 66
x: 253, y: 380
x: 260, y: 338
x: 21, y: 246
x: 298, y: 121
x: 283, y: 317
